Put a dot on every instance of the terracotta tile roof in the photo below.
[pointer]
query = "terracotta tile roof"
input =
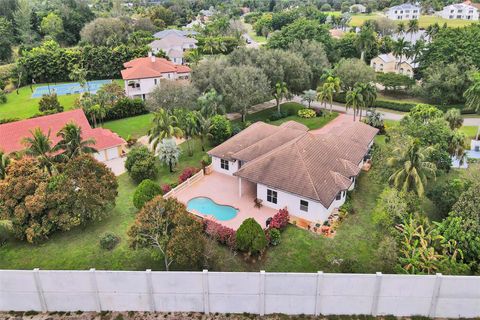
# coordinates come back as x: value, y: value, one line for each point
x: 12, y: 134
x: 322, y: 164
x: 148, y: 67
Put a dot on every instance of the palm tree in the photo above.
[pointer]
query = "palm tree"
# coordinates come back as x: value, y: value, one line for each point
x: 72, y: 143
x: 279, y: 93
x: 432, y: 30
x: 454, y: 118
x: 472, y: 96
x: 169, y: 152
x: 165, y: 126
x: 365, y: 40
x: 322, y: 96
x: 401, y: 27
x: 355, y: 100
x: 412, y: 169
x: 412, y: 28
x: 193, y: 56
x: 204, y: 127
x: 210, y: 103
x: 309, y: 96
x: 369, y: 94
x: 39, y: 146
x: 456, y: 146
x: 400, y: 48
x: 332, y: 87
x: 188, y: 123
x: 4, y: 162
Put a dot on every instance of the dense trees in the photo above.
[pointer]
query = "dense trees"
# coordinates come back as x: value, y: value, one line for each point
x: 172, y: 95
x: 140, y: 164
x: 352, y: 71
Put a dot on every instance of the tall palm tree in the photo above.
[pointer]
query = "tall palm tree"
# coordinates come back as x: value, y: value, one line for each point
x: 400, y: 48
x: 355, y: 100
x: 369, y: 94
x: 456, y: 146
x: 71, y: 143
x: 279, y: 93
x: 412, y: 169
x: 332, y: 86
x: 454, y: 118
x: 401, y: 27
x: 322, y: 95
x: 188, y: 123
x: 39, y: 146
x: 4, y: 162
x: 432, y: 30
x: 472, y: 96
x: 165, y: 126
x: 365, y: 40
x: 204, y: 128
x: 412, y: 28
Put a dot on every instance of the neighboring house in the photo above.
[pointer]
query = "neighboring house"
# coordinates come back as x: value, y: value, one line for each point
x: 336, y: 33
x: 406, y: 11
x: 174, y: 46
x: 460, y: 11
x: 206, y: 15
x: 412, y: 37
x: 358, y: 8
x: 389, y: 63
x: 108, y: 144
x: 195, y: 24
x: 142, y: 75
x: 306, y: 173
x: 184, y: 33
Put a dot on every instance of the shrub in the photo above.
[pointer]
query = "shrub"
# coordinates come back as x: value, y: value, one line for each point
x: 280, y: 220
x: 49, y: 103
x: 166, y: 188
x: 8, y: 120
x: 251, y: 237
x: 5, y: 232
x: 278, y: 115
x: 109, y: 240
x: 3, y: 97
x: 146, y: 191
x: 187, y: 173
x: 220, y: 233
x: 125, y: 108
x: 274, y: 236
x: 140, y: 164
x: 307, y: 113
x: 221, y: 129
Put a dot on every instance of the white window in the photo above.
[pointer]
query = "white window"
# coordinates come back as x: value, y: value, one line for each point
x: 272, y: 196
x: 340, y: 195
x: 353, y: 179
x: 224, y: 164
x: 304, y: 205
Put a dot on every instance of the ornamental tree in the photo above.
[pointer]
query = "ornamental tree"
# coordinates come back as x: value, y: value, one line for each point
x: 146, y: 191
x: 251, y: 237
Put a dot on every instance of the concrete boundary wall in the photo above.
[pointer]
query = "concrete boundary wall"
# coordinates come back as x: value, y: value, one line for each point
x: 238, y: 292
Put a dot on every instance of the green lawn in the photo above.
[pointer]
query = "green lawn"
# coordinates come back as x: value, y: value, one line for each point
x: 23, y: 106
x: 470, y: 132
x: 134, y: 127
x: 424, y: 21
x: 253, y: 34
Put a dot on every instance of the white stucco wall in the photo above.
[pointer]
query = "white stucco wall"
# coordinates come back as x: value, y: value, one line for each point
x: 465, y: 13
x: 403, y: 14
x: 146, y: 86
x: 232, y: 166
x: 316, y: 211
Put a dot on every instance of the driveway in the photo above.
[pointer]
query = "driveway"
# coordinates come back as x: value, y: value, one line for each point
x: 116, y: 165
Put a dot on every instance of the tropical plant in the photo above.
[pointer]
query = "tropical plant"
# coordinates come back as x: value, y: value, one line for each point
x: 400, y: 49
x: 354, y: 99
x: 169, y: 153
x: 369, y: 94
x: 204, y: 129
x: 210, y: 103
x: 412, y: 168
x: 412, y: 27
x: 401, y: 27
x: 331, y: 86
x: 307, y: 113
x: 456, y: 146
x: 165, y: 126
x: 220, y: 129
x: 472, y: 96
x: 4, y: 162
x: 365, y: 41
x: 188, y: 123
x: 49, y: 103
x: 309, y: 96
x: 39, y: 146
x: 279, y: 93
x: 454, y: 118
x: 71, y: 143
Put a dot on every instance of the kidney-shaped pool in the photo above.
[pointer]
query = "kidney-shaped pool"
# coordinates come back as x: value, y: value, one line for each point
x: 207, y: 206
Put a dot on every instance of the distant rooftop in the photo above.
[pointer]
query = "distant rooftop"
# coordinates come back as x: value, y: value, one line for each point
x: 183, y: 33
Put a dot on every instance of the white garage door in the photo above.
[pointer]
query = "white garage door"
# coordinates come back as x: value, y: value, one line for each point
x: 100, y: 156
x: 112, y: 153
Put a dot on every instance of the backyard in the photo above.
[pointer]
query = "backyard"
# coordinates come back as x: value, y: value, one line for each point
x: 424, y: 21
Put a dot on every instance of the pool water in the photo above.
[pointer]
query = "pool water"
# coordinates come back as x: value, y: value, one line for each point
x: 207, y: 206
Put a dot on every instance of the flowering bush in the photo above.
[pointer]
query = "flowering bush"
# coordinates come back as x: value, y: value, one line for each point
x: 222, y: 234
x: 307, y: 113
x: 166, y: 188
x: 280, y: 219
x: 187, y: 173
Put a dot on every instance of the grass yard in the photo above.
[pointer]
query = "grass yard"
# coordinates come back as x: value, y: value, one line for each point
x: 470, y: 132
x: 23, y: 106
x: 134, y: 127
x: 424, y: 21
x: 253, y: 34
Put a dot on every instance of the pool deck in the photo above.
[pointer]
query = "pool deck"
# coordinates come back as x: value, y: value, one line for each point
x: 223, y: 189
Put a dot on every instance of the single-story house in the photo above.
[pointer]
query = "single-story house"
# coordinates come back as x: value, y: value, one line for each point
x: 389, y: 63
x: 108, y: 144
x: 405, y: 11
x: 142, y: 75
x: 174, y: 46
x: 464, y: 11
x: 183, y: 33
x: 307, y: 173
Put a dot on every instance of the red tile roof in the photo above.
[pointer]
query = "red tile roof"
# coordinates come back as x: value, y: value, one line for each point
x: 12, y: 134
x: 149, y: 67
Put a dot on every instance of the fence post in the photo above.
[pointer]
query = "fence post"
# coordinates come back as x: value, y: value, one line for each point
x: 376, y: 293
x: 38, y: 286
x: 151, y: 298
x: 436, y: 292
x: 261, y: 294
x: 93, y: 281
x: 206, y: 301
x: 318, y: 293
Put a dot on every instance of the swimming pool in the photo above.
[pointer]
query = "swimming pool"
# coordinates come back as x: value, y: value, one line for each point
x: 69, y: 88
x: 207, y: 206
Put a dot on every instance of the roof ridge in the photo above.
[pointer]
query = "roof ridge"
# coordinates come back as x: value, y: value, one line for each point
x: 308, y: 172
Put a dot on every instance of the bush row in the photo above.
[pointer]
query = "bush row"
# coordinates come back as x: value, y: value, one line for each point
x: 125, y: 108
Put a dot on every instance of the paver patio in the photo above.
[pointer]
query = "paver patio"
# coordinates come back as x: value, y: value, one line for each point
x: 223, y: 189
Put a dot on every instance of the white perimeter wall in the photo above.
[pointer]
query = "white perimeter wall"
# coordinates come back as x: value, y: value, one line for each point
x: 259, y: 293
x: 316, y: 211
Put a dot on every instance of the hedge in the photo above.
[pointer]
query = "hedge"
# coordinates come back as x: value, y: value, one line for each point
x: 125, y: 108
x: 405, y: 106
